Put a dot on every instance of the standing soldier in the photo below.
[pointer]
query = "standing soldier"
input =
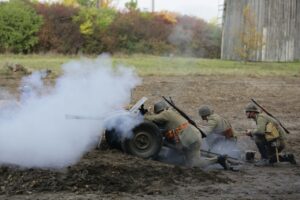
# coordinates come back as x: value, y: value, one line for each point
x: 182, y: 136
x: 217, y: 128
x: 269, y: 137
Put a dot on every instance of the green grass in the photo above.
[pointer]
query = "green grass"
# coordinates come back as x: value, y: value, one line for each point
x: 155, y: 65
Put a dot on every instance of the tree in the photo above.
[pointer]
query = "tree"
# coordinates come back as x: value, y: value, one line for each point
x: 250, y: 39
x: 93, y: 23
x: 19, y: 24
x: 131, y: 5
x: 59, y: 33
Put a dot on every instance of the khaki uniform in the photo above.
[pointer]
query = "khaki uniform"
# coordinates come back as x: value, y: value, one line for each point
x: 259, y: 134
x: 217, y: 125
x: 189, y: 137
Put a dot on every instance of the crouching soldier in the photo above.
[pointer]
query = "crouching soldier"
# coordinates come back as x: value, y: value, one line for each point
x: 269, y: 137
x: 182, y: 136
x: 217, y: 129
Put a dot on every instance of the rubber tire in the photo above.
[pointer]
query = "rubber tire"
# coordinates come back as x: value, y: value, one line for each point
x: 146, y: 141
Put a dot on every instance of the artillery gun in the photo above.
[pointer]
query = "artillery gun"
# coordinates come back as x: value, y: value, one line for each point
x: 145, y: 141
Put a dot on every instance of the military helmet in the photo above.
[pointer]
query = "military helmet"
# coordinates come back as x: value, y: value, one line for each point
x: 251, y: 108
x: 160, y: 106
x: 205, y: 111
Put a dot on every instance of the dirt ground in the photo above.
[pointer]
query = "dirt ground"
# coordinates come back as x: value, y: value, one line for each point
x: 110, y: 174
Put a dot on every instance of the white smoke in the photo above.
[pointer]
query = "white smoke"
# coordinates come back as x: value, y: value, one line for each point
x: 39, y: 135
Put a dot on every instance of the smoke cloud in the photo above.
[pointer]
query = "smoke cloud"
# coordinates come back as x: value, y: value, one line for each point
x: 36, y: 133
x: 218, y: 144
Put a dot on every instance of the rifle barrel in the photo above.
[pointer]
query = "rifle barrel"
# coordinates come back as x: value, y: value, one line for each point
x: 263, y: 109
x: 185, y: 116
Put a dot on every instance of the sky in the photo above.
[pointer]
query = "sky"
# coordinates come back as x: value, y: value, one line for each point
x: 205, y: 9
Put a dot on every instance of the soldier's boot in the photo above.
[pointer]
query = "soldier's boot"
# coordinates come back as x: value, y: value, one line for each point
x: 290, y: 158
x: 222, y: 160
x: 284, y: 158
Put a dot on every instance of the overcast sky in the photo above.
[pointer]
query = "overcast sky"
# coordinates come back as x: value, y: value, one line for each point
x: 205, y: 9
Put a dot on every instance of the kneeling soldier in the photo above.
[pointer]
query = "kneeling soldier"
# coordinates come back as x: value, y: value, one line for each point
x: 217, y: 128
x: 269, y: 137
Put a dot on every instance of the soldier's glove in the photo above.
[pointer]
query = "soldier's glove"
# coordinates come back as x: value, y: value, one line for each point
x: 143, y: 111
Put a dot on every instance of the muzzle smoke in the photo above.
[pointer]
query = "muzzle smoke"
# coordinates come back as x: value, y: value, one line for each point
x: 37, y: 134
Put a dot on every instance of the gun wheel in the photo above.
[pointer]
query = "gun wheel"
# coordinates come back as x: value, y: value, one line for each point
x: 146, y: 141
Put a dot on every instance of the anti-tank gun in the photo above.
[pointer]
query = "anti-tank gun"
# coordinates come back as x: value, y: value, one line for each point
x: 144, y: 140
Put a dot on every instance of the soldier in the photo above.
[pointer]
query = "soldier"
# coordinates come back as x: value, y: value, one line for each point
x: 217, y: 129
x: 269, y: 137
x: 182, y: 136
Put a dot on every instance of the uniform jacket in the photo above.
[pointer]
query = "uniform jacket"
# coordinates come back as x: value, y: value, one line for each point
x: 171, y: 120
x: 216, y: 124
x: 261, y: 121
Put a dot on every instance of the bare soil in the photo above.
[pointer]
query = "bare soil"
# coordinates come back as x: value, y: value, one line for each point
x: 110, y: 174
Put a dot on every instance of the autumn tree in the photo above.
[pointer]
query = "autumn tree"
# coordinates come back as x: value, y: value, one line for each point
x: 59, y: 33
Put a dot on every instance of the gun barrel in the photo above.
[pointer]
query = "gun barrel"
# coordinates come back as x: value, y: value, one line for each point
x: 68, y: 116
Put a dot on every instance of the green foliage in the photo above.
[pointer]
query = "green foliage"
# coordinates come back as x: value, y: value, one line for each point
x: 131, y: 5
x: 93, y: 24
x: 19, y: 24
x: 92, y: 20
x: 136, y: 32
x: 76, y: 26
x: 87, y: 3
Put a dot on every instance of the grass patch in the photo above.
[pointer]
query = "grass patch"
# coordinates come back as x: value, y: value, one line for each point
x: 155, y: 65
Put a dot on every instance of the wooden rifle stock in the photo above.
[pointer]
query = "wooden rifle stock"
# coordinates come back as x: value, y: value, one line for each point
x: 171, y: 103
x: 263, y: 109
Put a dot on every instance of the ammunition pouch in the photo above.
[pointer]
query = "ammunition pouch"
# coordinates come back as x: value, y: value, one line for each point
x: 271, y: 132
x: 173, y: 134
x: 228, y: 133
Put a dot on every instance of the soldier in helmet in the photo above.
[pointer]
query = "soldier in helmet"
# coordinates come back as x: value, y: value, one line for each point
x: 269, y: 137
x: 182, y: 136
x: 217, y: 128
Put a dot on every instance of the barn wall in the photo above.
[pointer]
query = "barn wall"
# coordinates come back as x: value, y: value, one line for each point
x: 277, y: 20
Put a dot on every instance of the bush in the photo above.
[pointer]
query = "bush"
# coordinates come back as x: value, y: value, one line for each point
x: 19, y: 24
x: 59, y: 33
x: 137, y: 32
x: 93, y: 25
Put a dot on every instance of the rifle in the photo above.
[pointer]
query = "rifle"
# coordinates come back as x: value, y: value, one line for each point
x: 184, y: 115
x: 231, y: 159
x: 285, y: 129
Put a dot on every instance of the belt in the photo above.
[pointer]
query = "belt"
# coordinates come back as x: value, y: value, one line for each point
x: 173, y: 134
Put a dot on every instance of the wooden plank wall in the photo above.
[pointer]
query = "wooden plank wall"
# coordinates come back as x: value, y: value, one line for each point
x: 277, y: 20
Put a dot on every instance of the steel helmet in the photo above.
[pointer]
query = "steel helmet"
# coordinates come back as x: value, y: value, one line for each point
x: 251, y: 108
x: 160, y: 106
x: 205, y: 111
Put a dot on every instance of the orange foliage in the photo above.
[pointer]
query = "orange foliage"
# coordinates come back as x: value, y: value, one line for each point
x: 168, y: 17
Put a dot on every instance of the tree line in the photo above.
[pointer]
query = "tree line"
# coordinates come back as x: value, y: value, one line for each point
x: 72, y: 28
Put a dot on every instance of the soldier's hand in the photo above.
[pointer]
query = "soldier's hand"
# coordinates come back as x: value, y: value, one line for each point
x: 143, y: 111
x: 248, y: 132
